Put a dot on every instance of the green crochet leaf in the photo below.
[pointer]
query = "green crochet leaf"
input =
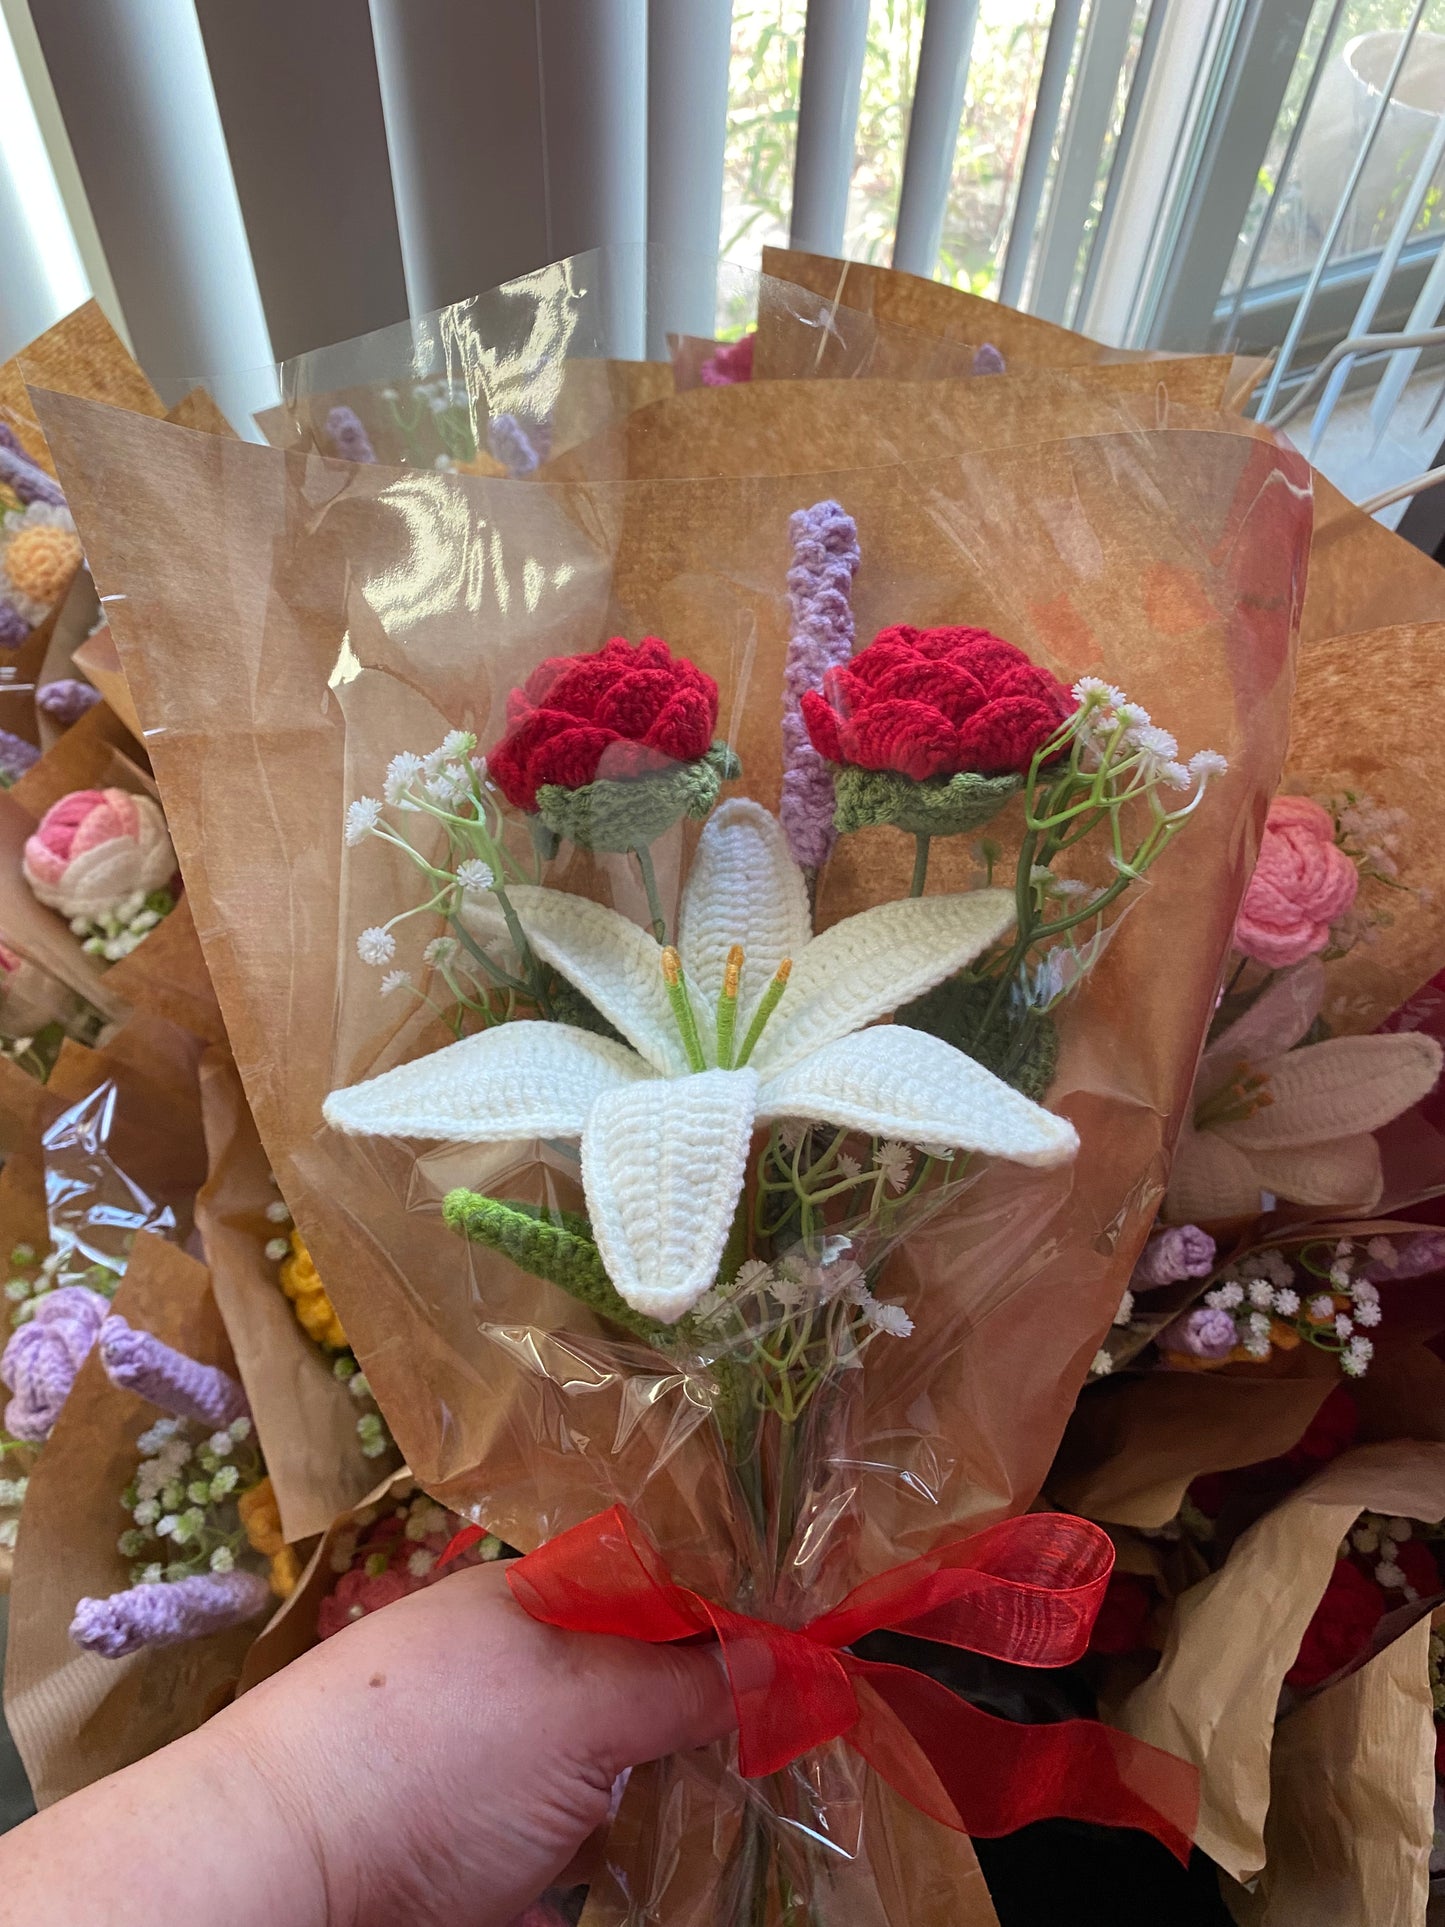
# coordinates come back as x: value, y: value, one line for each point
x: 629, y: 814
x: 1019, y: 1045
x: 938, y: 806
x: 558, y: 1248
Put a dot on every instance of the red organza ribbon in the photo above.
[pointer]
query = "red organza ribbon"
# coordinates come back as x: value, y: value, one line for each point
x: 1026, y: 1590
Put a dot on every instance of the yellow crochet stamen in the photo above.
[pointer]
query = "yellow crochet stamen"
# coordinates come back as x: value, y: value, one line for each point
x: 682, y: 1008
x: 1246, y: 1093
x: 765, y: 1010
x: 727, y: 1007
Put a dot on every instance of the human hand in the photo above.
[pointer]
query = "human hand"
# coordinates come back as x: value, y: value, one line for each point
x: 441, y: 1760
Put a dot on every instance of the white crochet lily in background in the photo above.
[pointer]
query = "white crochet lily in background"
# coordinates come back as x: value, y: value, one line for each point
x: 1268, y: 1117
x: 665, y: 1120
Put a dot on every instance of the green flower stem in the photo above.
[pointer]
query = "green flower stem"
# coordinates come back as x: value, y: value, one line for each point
x: 920, y: 865
x: 649, y: 884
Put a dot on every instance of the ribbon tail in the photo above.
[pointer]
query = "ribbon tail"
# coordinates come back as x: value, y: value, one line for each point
x: 982, y: 1775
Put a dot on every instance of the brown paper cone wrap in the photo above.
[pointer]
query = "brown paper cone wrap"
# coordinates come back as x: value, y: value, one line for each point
x: 1133, y: 1448
x: 305, y: 1417
x: 74, y: 1716
x: 1352, y: 1801
x: 268, y: 707
x: 97, y: 661
x: 81, y: 355
x: 766, y: 426
x: 931, y: 308
x: 1235, y: 1636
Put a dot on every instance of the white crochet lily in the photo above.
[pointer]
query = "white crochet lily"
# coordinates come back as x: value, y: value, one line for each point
x: 665, y: 1119
x: 1300, y: 1123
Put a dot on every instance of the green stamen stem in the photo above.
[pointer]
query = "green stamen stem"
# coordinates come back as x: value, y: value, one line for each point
x: 649, y: 883
x: 765, y: 1009
x: 920, y: 866
x: 682, y: 1009
x: 727, y: 1007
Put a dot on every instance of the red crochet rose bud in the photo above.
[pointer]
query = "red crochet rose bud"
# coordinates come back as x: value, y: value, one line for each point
x: 934, y: 702
x: 619, y: 712
x: 1343, y: 1626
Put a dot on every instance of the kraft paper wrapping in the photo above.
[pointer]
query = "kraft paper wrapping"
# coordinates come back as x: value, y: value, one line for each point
x: 853, y: 424
x: 268, y: 607
x: 98, y: 662
x: 1234, y: 1636
x: 930, y: 308
x: 305, y: 1417
x: 1352, y: 1801
x: 76, y: 1717
x: 1133, y: 1447
x: 81, y: 355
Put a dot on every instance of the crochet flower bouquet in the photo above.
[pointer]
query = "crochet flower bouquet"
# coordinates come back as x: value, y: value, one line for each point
x: 717, y: 967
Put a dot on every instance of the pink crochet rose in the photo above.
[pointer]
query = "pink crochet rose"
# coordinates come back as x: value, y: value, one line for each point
x: 1302, y: 883
x: 94, y: 848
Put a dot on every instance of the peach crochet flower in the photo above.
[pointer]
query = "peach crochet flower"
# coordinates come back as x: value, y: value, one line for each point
x: 1302, y: 883
x: 41, y: 560
x: 94, y: 848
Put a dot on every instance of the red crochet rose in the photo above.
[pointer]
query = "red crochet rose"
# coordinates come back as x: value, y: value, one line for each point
x: 621, y: 711
x: 934, y: 702
x: 1333, y: 1428
x: 1343, y: 1625
x: 1417, y: 1562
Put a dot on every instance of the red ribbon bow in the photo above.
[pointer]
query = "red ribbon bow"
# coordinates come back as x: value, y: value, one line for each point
x: 1026, y: 1590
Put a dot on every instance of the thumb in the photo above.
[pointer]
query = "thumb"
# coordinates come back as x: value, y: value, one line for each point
x: 649, y: 1701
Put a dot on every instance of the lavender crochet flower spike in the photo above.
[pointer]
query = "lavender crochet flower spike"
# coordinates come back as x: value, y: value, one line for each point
x: 30, y: 483
x: 1179, y: 1251
x: 16, y: 756
x: 1204, y: 1333
x: 989, y: 361
x: 169, y: 1613
x: 511, y: 445
x: 42, y: 1359
x: 138, y: 1362
x: 14, y: 629
x: 820, y: 584
x: 66, y: 699
x: 348, y: 437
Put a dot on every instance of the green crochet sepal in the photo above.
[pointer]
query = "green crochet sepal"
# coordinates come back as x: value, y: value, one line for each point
x: 937, y: 806
x: 630, y: 813
x: 1021, y: 1046
x: 558, y: 1248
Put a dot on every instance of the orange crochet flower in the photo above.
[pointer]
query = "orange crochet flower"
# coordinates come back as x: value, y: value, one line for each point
x: 40, y: 561
x: 315, y: 1312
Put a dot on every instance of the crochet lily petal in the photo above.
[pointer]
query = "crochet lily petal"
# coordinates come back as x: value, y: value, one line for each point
x: 894, y: 1081
x: 613, y: 962
x: 1342, y: 1173
x: 743, y: 888
x: 1210, y: 1179
x: 862, y: 968
x: 1277, y: 1019
x: 516, y: 1081
x: 662, y: 1167
x: 1340, y: 1088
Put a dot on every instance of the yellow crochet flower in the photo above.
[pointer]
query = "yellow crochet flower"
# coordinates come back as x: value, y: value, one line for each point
x: 40, y: 561
x: 261, y: 1517
x: 302, y: 1284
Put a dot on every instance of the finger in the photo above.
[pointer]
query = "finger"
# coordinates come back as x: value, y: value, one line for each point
x: 649, y: 1701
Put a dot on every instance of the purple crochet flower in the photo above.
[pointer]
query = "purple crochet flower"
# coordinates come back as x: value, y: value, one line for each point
x: 510, y: 444
x: 14, y: 629
x: 16, y: 756
x: 66, y: 699
x: 1415, y: 1257
x: 168, y: 1613
x: 348, y: 437
x: 1205, y: 1333
x: 139, y: 1362
x: 988, y: 361
x: 30, y: 483
x: 820, y: 582
x: 42, y: 1359
x: 1180, y: 1251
